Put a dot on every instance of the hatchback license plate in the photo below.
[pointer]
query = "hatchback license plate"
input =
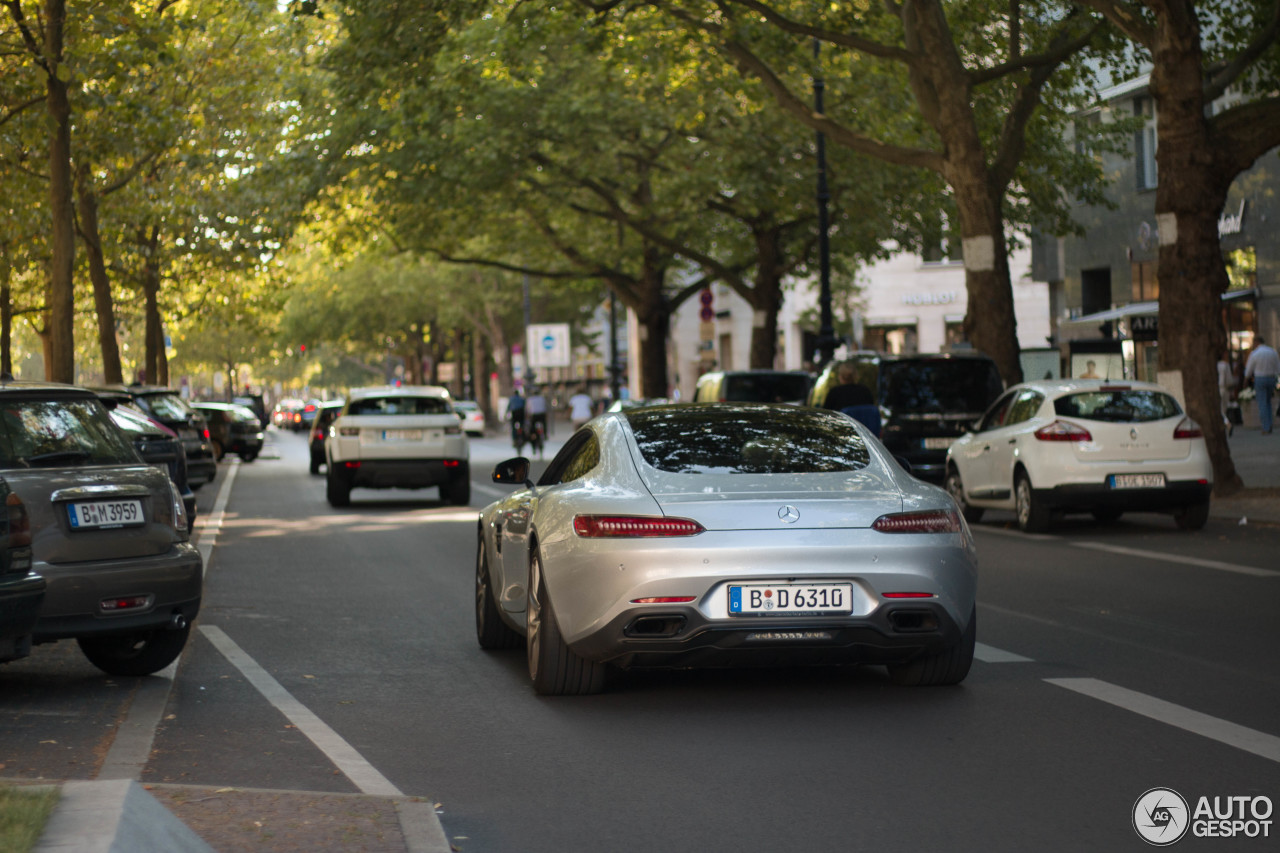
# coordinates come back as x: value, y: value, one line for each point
x: 402, y: 435
x: 790, y: 599
x: 1137, y: 481
x: 119, y: 513
x: 938, y: 443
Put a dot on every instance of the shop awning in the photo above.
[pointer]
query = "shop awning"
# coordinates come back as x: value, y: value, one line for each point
x: 1133, y: 309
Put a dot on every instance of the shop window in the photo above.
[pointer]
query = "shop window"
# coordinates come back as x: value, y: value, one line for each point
x: 955, y: 336
x: 1144, y: 143
x: 1146, y: 286
x: 895, y: 340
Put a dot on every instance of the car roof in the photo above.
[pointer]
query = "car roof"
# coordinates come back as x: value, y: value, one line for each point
x: 399, y: 391
x: 1058, y: 387
x: 138, y: 390
x: 28, y: 387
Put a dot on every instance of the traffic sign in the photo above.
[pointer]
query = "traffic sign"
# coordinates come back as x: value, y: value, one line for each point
x: 548, y: 345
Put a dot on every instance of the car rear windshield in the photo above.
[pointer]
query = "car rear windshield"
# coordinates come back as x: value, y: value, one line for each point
x: 719, y: 439
x: 940, y: 386
x: 1120, y: 406
x: 60, y: 433
x: 400, y: 406
x: 165, y: 407
x: 765, y: 387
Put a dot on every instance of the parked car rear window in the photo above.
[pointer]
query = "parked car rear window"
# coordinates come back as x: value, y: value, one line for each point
x: 1118, y: 406
x: 60, y: 433
x: 941, y: 386
x: 719, y: 439
x: 400, y: 406
x: 166, y: 407
x: 765, y: 387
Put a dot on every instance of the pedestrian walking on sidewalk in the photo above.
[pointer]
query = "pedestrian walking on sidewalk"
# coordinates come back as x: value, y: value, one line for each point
x: 1262, y: 368
x: 1226, y: 384
x: 580, y: 408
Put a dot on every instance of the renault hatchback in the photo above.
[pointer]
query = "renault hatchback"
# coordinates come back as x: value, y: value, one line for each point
x: 108, y: 531
x: 1083, y: 446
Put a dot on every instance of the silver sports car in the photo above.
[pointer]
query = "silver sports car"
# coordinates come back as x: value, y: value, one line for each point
x: 724, y: 534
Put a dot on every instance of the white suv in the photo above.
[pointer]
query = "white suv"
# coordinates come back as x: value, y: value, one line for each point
x: 1053, y: 447
x: 398, y: 437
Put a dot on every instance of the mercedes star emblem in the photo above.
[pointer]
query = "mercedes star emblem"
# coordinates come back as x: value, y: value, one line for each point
x: 788, y: 514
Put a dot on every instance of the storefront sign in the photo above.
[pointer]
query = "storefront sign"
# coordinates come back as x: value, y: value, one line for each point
x: 1231, y: 224
x: 948, y: 298
x: 1145, y: 327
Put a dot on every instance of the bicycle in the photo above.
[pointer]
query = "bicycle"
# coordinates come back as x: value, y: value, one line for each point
x: 518, y: 436
x: 537, y: 439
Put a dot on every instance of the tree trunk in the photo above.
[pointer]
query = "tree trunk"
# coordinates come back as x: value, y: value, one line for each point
x: 60, y: 361
x: 6, y: 314
x: 87, y: 207
x: 480, y: 375
x: 766, y: 301
x: 1189, y: 197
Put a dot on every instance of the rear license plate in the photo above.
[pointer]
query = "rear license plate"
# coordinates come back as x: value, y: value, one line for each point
x: 402, y: 435
x: 1136, y: 481
x: 119, y: 513
x: 790, y: 599
x: 938, y: 443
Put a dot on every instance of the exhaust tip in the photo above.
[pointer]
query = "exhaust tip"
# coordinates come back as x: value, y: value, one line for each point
x: 655, y: 627
x: 913, y: 621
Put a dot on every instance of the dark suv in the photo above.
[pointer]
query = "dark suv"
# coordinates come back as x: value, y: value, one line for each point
x: 926, y: 401
x: 752, y: 386
x: 167, y: 406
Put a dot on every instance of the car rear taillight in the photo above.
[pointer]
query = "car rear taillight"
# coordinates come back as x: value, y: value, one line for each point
x: 1063, y: 431
x: 1187, y: 428
x: 926, y: 521
x: 907, y: 595
x: 318, y: 435
x: 664, y: 599
x: 206, y: 434
x: 19, y: 522
x: 633, y: 526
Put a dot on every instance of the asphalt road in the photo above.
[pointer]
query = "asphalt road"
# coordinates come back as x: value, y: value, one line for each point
x: 336, y: 652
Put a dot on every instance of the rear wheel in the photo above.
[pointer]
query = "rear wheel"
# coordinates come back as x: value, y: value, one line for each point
x: 554, y: 668
x: 337, y: 488
x: 216, y: 447
x: 1192, y: 517
x: 248, y: 456
x: 491, y: 631
x: 315, y: 465
x: 955, y: 487
x: 457, y: 491
x: 1033, y: 515
x: 948, y: 667
x: 135, y: 654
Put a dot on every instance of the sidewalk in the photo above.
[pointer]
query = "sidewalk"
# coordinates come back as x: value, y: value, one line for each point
x: 1257, y: 460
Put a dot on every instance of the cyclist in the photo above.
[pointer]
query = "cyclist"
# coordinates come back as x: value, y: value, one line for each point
x: 515, y: 414
x: 536, y: 406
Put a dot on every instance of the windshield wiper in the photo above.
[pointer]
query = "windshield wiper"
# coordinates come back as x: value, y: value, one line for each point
x: 71, y: 456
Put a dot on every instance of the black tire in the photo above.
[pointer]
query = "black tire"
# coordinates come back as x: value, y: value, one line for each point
x: 955, y: 487
x: 1107, y: 516
x: 948, y: 667
x: 1192, y: 517
x: 554, y: 668
x: 1033, y: 515
x: 218, y: 452
x: 248, y: 456
x: 458, y: 491
x: 491, y: 631
x: 337, y: 488
x: 315, y: 465
x: 135, y: 654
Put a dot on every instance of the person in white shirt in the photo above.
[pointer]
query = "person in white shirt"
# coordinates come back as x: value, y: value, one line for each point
x: 580, y: 409
x: 536, y: 407
x: 1226, y: 384
x: 1262, y: 368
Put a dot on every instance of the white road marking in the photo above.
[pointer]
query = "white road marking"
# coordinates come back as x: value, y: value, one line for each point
x: 490, y: 490
x: 1250, y: 740
x: 1178, y: 558
x: 990, y: 654
x: 361, y: 773
x: 212, y: 525
x: 1015, y: 533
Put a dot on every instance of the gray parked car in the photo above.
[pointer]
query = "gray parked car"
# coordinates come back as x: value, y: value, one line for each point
x: 108, y: 531
x: 724, y: 534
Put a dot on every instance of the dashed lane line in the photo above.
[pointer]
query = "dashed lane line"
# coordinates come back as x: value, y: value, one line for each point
x: 990, y: 654
x: 1250, y: 740
x: 1179, y: 558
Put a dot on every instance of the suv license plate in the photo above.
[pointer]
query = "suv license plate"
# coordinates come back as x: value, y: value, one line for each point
x: 402, y: 435
x: 121, y: 513
x: 790, y: 599
x: 1137, y: 481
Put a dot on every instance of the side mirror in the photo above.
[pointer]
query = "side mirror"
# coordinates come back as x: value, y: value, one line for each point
x: 512, y: 471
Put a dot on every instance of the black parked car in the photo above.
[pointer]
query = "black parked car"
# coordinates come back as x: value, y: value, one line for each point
x: 167, y: 406
x: 926, y: 401
x: 156, y: 444
x: 21, y: 589
x: 325, y: 415
x: 232, y: 429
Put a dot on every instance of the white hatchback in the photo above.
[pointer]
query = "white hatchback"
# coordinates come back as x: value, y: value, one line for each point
x: 1073, y: 446
x: 398, y: 437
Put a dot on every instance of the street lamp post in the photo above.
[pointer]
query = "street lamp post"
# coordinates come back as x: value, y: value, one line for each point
x: 826, y: 329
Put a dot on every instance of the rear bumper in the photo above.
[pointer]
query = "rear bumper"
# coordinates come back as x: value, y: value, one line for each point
x: 405, y: 473
x: 1083, y: 497
x: 201, y: 469
x: 173, y: 583
x: 686, y: 638
x: 20, y: 599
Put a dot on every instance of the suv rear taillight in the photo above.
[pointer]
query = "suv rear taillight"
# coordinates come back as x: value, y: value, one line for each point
x: 1187, y: 428
x: 1063, y: 431
x: 19, y: 522
x: 633, y: 526
x: 928, y: 521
